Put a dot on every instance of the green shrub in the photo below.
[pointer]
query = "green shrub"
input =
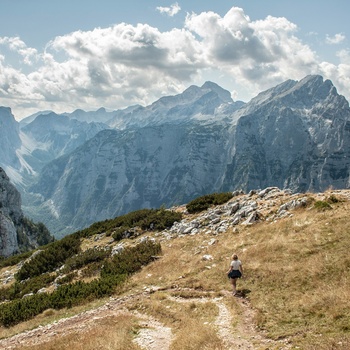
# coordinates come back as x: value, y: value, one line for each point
x: 159, y: 219
x: 114, y: 272
x: 322, y: 205
x: 32, y: 285
x: 14, y: 259
x: 206, y: 201
x: 67, y: 278
x: 84, y: 258
x: 120, y: 233
x: 50, y: 258
x: 131, y: 259
x: 147, y: 219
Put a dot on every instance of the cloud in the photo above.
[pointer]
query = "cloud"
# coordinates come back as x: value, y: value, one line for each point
x: 127, y: 64
x: 15, y: 44
x: 170, y: 11
x: 258, y: 53
x: 336, y: 39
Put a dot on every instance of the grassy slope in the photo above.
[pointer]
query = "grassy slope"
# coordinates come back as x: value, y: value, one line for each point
x: 297, y: 279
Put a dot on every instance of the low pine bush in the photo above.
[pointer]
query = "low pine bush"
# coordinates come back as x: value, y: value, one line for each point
x: 204, y: 202
x: 147, y: 219
x: 114, y: 272
x: 322, y: 205
x: 51, y: 258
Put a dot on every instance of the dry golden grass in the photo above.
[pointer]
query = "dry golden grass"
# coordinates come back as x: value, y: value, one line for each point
x: 194, y: 335
x: 298, y: 272
x: 49, y: 316
x: 112, y: 333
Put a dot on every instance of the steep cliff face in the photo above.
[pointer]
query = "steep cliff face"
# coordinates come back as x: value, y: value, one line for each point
x: 120, y: 171
x: 295, y: 135
x: 10, y: 215
x: 27, y: 146
x: 9, y: 138
x: 51, y: 135
x: 16, y: 232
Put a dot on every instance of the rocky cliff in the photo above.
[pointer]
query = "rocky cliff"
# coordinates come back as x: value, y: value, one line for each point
x: 296, y: 135
x: 10, y: 215
x: 16, y: 232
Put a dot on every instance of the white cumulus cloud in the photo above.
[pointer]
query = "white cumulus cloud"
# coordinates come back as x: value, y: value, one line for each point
x: 170, y: 11
x: 336, y: 39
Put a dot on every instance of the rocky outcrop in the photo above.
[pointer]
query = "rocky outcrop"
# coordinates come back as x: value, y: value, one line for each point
x: 269, y: 205
x: 9, y: 138
x: 10, y: 215
x: 16, y: 232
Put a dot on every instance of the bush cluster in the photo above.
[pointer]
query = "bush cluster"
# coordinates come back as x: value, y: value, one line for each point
x: 32, y: 285
x: 146, y: 219
x: 206, y: 201
x: 84, y: 258
x: 14, y: 259
x: 114, y: 272
x: 51, y: 258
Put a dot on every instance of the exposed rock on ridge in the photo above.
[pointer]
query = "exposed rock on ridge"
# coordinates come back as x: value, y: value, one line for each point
x: 10, y: 215
x: 16, y: 232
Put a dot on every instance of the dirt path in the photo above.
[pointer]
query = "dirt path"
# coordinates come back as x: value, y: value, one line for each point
x: 153, y: 335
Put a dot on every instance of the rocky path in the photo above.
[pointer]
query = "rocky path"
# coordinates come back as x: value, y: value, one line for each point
x: 153, y: 335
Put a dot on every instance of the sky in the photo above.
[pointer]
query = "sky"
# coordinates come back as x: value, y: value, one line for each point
x: 69, y: 54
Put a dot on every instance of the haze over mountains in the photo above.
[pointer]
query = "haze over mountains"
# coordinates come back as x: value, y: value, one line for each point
x: 75, y: 169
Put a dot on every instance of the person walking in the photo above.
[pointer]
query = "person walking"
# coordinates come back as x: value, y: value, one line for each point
x: 235, y: 272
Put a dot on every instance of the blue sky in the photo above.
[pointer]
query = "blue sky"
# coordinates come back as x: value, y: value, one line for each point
x: 63, y: 55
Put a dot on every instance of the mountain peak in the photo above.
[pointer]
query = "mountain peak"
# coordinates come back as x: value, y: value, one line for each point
x: 210, y: 85
x: 222, y: 93
x: 305, y: 93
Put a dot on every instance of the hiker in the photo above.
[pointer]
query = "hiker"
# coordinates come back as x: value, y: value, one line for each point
x: 235, y: 272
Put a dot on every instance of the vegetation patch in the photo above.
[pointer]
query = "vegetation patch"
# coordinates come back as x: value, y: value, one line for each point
x: 114, y: 272
x: 14, y: 259
x: 204, y: 202
x: 50, y: 258
x: 146, y: 219
x: 322, y: 205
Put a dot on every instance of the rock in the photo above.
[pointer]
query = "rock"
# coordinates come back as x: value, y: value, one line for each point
x: 27, y: 295
x: 212, y: 241
x: 234, y: 208
x: 237, y: 193
x: 117, y: 249
x: 215, y: 221
x: 42, y: 290
x: 187, y: 230
x: 253, y: 217
x: 264, y: 192
x: 293, y: 204
x: 207, y: 257
x: 251, y: 193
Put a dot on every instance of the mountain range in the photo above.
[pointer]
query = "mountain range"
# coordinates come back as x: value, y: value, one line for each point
x: 77, y: 168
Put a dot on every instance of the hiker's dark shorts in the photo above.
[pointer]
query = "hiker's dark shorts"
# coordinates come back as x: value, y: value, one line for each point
x: 234, y: 274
